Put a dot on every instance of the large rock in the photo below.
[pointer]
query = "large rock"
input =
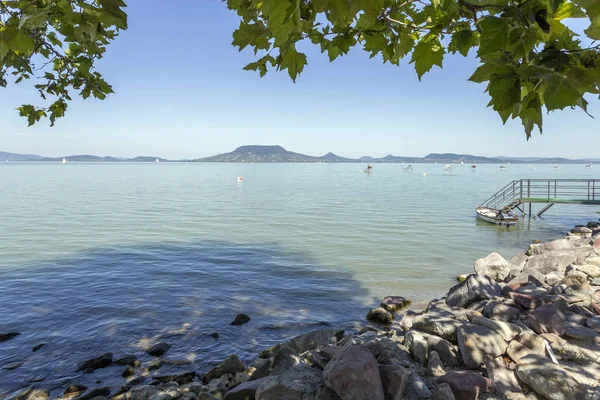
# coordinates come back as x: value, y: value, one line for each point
x: 516, y: 351
x: 240, y: 319
x: 282, y: 359
x: 493, y: 266
x: 231, y: 365
x: 312, y: 340
x: 393, y: 378
x: 354, y: 375
x: 93, y: 364
x: 591, y: 270
x: 394, y: 303
x: 158, y: 349
x: 503, y: 379
x: 499, y: 311
x: 417, y: 345
x: 290, y: 385
x: 551, y: 262
x: 507, y: 330
x: 466, y: 385
x: 526, y: 301
x: 548, y: 319
x: 442, y: 327
x: 435, y: 367
x: 474, y: 288
x: 593, y: 323
x: 548, y: 379
x: 247, y: 390
x: 380, y: 315
x: 576, y: 331
x: 477, y: 342
x: 533, y: 342
x: 416, y: 389
x: 443, y: 391
x: 446, y: 350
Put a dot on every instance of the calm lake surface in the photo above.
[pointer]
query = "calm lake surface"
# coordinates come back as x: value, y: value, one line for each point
x: 101, y: 258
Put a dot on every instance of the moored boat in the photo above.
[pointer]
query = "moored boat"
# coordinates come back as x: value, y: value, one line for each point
x: 498, y: 217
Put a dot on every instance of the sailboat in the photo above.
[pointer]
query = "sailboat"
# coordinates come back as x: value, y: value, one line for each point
x: 64, y: 161
x: 157, y: 160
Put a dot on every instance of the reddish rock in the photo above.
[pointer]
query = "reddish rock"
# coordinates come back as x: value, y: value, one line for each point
x: 466, y: 385
x: 548, y: 319
x: 526, y: 301
x: 596, y: 244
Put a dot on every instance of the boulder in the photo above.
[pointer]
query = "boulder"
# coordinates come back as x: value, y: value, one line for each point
x: 247, y: 390
x: 516, y: 351
x: 380, y: 315
x: 290, y: 385
x: 435, y: 367
x: 503, y: 379
x: 548, y: 319
x: 231, y: 365
x: 407, y: 320
x: 127, y: 372
x: 280, y: 361
x: 354, y: 375
x: 393, y: 378
x: 499, y: 311
x: 466, y: 385
x: 493, y: 266
x: 593, y: 323
x: 417, y: 345
x: 507, y: 330
x: 553, y: 278
x: 443, y: 391
x: 526, y: 301
x: 531, y: 276
x: 446, y: 350
x: 7, y: 336
x: 533, y: 342
x: 93, y: 364
x: 576, y: 331
x: 581, y: 230
x: 548, y: 379
x: 518, y: 261
x: 394, y: 303
x: 474, y: 288
x: 158, y: 349
x: 442, y: 327
x: 416, y: 389
x: 477, y: 342
x: 551, y: 262
x: 591, y: 270
x: 312, y: 340
x: 240, y: 319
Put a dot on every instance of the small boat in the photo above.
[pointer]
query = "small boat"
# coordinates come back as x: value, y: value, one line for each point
x: 408, y: 168
x: 462, y: 162
x: 502, y: 167
x: 504, y: 217
x: 240, y: 179
x: 473, y: 168
x: 447, y: 168
x: 589, y: 166
x: 64, y: 161
x: 555, y: 167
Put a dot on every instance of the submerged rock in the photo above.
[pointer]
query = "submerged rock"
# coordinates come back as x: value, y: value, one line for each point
x: 7, y: 336
x: 93, y: 364
x: 75, y: 388
x: 37, y: 347
x: 240, y: 319
x: 380, y: 315
x: 394, y: 303
x: 158, y: 349
x: 17, y: 364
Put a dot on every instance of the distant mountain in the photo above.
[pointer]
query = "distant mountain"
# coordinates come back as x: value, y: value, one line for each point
x: 334, y: 158
x: 18, y: 157
x: 262, y: 154
x: 81, y: 158
x: 450, y: 158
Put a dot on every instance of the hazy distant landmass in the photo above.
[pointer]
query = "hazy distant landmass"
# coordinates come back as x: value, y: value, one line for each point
x: 277, y: 154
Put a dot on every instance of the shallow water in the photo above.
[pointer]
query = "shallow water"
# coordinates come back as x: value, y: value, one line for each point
x: 111, y: 257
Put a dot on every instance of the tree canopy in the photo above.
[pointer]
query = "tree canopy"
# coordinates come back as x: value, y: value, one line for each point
x: 57, y: 43
x: 530, y: 59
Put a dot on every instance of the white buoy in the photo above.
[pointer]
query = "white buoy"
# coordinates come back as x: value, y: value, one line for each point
x: 240, y: 179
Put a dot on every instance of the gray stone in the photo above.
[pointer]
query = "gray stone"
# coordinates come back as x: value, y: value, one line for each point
x: 247, y: 390
x: 143, y: 392
x: 506, y: 329
x: 574, y: 317
x: 217, y: 387
x: 354, y: 375
x: 446, y: 350
x: 477, y: 342
x: 593, y: 323
x: 158, y: 349
x: 466, y: 385
x: 551, y: 262
x: 231, y: 365
x: 380, y: 315
x: 435, y: 367
x: 394, y: 303
x: 576, y: 331
x: 591, y: 270
x: 474, y: 288
x: 417, y: 345
x: 532, y: 289
x: 407, y: 320
x: 554, y: 278
x: 548, y: 379
x: 531, y: 276
x: 393, y: 378
x: 312, y: 340
x: 502, y: 312
x: 516, y: 351
x: 442, y: 327
x: 493, y: 266
x: 533, y: 342
x: 290, y: 385
x: 503, y: 379
x: 129, y: 359
x: 443, y: 391
x: 547, y: 319
x: 181, y: 377
x: 416, y: 389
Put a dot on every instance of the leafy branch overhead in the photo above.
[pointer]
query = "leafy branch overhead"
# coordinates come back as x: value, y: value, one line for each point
x: 55, y: 44
x: 530, y: 58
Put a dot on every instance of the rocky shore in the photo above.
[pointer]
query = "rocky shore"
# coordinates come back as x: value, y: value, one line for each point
x: 520, y: 329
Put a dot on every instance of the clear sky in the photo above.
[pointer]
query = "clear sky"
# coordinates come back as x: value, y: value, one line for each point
x: 181, y: 93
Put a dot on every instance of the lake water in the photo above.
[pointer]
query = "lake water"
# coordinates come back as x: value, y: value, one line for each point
x: 112, y: 257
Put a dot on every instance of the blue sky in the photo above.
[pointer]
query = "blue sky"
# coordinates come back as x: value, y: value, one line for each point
x: 181, y: 93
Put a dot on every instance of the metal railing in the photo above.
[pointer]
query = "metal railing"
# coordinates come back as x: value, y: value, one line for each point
x: 577, y: 191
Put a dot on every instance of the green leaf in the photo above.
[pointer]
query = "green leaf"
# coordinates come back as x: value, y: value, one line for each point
x: 293, y: 61
x: 404, y: 45
x: 247, y: 34
x: 594, y: 30
x: 531, y: 113
x: 482, y: 74
x: 375, y: 43
x: 462, y: 41
x: 370, y: 8
x: 560, y: 94
x: 505, y: 91
x: 494, y: 35
x: 339, y: 12
x: 568, y: 10
x: 427, y: 53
